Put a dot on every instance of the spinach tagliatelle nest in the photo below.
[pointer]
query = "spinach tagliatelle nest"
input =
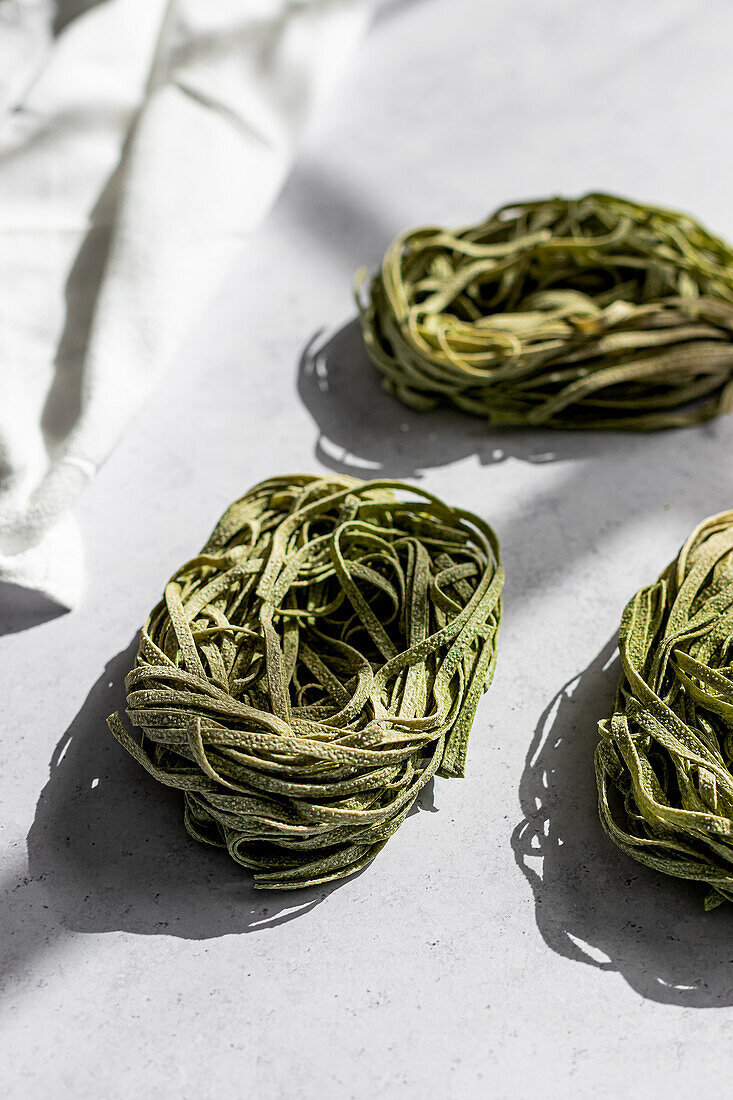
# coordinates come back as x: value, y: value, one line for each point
x: 309, y: 671
x: 595, y: 312
x: 664, y: 764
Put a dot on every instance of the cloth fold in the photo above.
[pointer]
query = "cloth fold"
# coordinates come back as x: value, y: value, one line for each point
x: 140, y: 142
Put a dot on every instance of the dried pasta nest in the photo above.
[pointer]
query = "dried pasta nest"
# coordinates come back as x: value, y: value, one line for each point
x: 309, y: 671
x: 594, y: 312
x: 664, y: 764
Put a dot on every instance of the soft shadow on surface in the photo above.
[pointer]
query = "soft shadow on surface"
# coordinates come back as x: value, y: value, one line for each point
x: 110, y: 852
x: 339, y: 216
x: 69, y: 10
x: 366, y: 432
x: 22, y: 608
x: 593, y: 904
x: 64, y: 400
x: 389, y: 8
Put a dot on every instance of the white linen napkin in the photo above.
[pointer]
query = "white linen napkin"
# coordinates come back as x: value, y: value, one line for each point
x: 139, y: 141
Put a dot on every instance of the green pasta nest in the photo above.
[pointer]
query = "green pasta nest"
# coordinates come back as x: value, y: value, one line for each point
x: 307, y: 674
x: 595, y: 312
x: 664, y: 764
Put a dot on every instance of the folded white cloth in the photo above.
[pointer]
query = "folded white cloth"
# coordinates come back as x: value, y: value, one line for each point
x: 139, y: 141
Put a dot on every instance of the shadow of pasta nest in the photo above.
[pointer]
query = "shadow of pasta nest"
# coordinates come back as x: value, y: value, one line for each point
x: 595, y: 312
x: 317, y: 663
x: 664, y: 761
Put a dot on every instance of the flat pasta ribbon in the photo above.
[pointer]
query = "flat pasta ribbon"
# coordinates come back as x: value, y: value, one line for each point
x: 313, y: 667
x: 664, y: 764
x: 595, y: 312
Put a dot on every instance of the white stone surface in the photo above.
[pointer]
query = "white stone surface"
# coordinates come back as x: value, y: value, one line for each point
x: 484, y: 953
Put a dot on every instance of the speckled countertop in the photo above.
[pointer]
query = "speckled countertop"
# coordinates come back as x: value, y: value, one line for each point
x: 499, y: 946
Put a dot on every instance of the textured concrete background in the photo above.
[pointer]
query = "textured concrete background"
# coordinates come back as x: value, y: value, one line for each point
x: 499, y: 945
